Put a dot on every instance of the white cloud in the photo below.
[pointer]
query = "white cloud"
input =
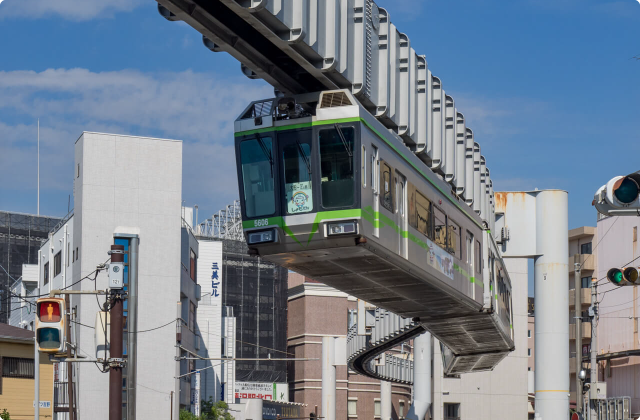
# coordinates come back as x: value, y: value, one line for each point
x: 68, y: 9
x: 195, y: 107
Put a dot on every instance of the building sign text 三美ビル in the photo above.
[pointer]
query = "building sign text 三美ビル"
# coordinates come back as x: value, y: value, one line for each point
x: 215, y: 280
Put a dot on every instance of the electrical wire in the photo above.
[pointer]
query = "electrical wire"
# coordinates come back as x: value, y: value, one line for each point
x: 596, y: 247
x: 250, y: 344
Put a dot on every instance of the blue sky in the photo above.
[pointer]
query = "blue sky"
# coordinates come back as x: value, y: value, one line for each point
x: 550, y: 88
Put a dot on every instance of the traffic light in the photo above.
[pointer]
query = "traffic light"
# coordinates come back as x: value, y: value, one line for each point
x: 619, y: 196
x: 51, y: 325
x: 624, y: 276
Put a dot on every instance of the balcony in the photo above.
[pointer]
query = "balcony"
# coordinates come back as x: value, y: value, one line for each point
x: 586, y: 261
x: 61, y: 397
x: 586, y: 331
x: 585, y: 297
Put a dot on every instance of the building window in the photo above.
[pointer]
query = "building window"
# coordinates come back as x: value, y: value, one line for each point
x: 376, y: 409
x: 585, y: 248
x: 77, y: 254
x: 451, y: 411
x: 192, y: 265
x: 401, y: 409
x: 14, y: 367
x: 192, y: 316
x: 78, y: 171
x: 529, y: 369
x: 529, y: 333
x: 351, y: 408
x: 529, y: 352
x: 586, y: 282
x: 352, y: 318
x: 46, y: 274
x: 57, y: 263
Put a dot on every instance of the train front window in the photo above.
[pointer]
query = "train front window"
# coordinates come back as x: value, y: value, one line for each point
x: 256, y: 158
x: 336, y: 164
x: 297, y: 176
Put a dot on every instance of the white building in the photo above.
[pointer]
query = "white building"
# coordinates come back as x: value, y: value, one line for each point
x: 126, y: 181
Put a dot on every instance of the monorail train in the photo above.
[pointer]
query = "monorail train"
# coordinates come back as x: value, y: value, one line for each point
x: 329, y: 192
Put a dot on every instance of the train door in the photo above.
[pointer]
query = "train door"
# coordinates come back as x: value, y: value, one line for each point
x: 470, y: 254
x: 375, y: 186
x: 401, y: 213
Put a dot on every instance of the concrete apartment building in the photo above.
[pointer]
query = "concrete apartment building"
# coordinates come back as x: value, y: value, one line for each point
x: 582, y: 250
x: 316, y: 311
x: 618, y: 342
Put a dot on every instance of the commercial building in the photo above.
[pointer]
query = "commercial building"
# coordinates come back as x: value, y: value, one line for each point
x: 21, y: 236
x: 618, y: 344
x: 17, y: 387
x: 244, y: 306
x: 316, y: 311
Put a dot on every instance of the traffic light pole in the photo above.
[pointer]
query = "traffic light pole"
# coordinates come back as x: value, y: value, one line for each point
x: 594, y: 351
x: 578, y: 314
x: 69, y: 364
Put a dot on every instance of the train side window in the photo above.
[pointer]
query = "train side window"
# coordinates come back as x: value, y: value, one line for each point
x: 469, y: 249
x: 440, y: 228
x: 411, y: 205
x: 423, y: 214
x: 386, y: 198
x: 364, y: 167
x: 336, y: 165
x: 478, y: 260
x: 374, y: 169
x: 453, y: 238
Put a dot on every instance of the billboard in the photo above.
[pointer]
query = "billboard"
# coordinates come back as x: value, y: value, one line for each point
x: 262, y: 390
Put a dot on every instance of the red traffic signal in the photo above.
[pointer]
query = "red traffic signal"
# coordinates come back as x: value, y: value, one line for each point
x: 49, y: 311
x: 51, y: 325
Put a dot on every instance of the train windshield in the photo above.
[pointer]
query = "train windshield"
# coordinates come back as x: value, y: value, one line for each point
x: 258, y: 176
x: 336, y: 164
x: 296, y: 155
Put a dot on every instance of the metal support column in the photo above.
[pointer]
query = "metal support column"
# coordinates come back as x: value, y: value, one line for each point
x: 386, y: 407
x: 578, y: 314
x: 552, y: 296
x: 328, y: 379
x: 421, y: 377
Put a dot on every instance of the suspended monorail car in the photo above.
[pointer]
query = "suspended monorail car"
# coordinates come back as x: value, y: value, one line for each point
x: 327, y: 191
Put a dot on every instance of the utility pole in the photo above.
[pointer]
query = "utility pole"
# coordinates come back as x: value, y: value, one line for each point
x: 593, y: 403
x: 36, y: 379
x: 38, y: 167
x: 69, y: 364
x: 116, y: 361
x: 578, y: 314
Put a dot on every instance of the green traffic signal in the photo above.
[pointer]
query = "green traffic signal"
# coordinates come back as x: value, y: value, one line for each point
x: 48, y: 338
x: 615, y: 276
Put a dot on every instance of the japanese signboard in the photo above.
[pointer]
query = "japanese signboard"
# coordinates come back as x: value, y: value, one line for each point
x: 262, y: 390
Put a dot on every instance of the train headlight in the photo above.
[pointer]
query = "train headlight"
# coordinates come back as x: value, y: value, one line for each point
x: 262, y: 237
x: 342, y: 228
